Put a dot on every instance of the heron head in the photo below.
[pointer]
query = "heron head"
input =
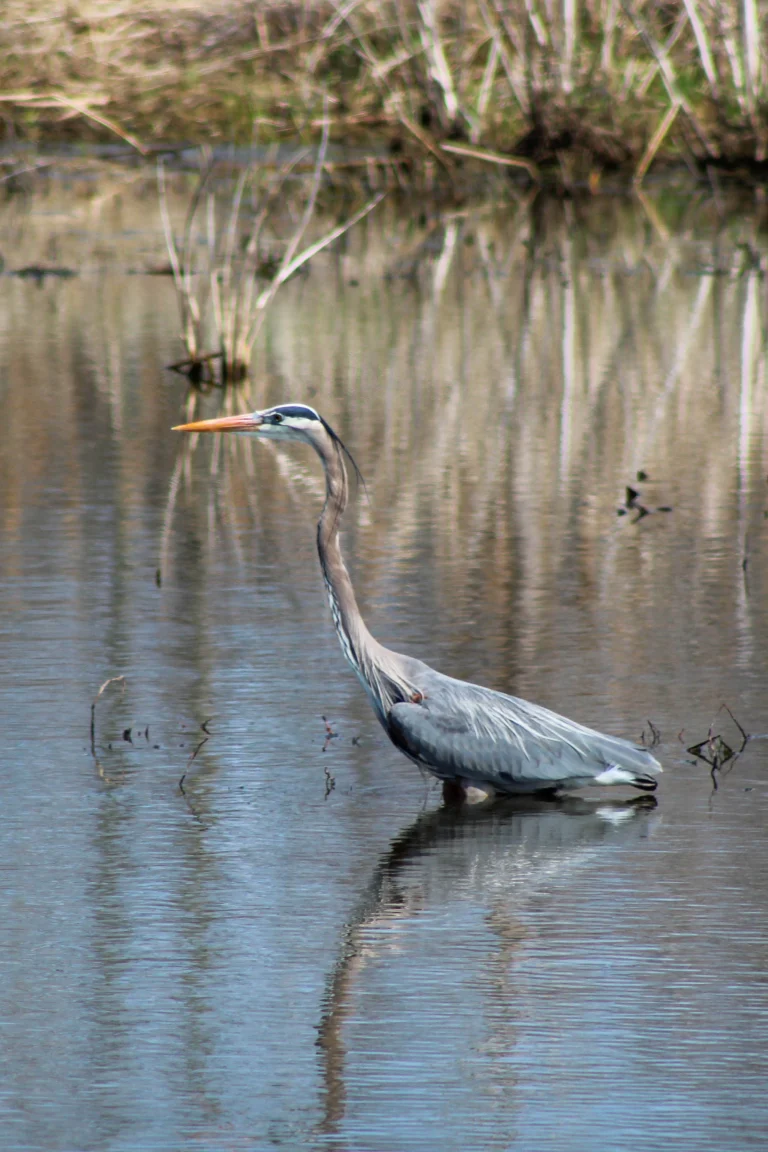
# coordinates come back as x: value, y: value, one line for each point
x: 283, y: 422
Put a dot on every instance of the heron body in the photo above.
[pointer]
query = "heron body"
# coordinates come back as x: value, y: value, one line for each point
x: 473, y: 738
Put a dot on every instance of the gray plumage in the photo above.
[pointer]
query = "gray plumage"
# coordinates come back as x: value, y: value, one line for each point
x: 463, y: 731
x: 466, y: 735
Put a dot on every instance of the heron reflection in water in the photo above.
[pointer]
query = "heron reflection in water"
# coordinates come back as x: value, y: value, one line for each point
x: 477, y: 741
x: 497, y: 858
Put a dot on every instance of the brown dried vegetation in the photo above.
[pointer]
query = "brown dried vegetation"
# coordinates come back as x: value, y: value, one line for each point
x: 568, y: 91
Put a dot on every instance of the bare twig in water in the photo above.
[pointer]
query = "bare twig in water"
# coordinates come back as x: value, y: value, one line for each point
x: 330, y: 734
x: 183, y: 778
x: 653, y: 739
x: 330, y: 779
x: 715, y: 751
x: 632, y: 504
x: 744, y: 735
x: 105, y: 685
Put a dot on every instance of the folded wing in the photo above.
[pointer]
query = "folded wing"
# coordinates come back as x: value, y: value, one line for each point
x: 461, y: 730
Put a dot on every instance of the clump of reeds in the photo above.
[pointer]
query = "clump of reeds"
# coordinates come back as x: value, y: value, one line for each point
x: 569, y: 89
x: 226, y: 284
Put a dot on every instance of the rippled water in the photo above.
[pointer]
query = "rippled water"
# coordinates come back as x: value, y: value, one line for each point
x: 303, y: 949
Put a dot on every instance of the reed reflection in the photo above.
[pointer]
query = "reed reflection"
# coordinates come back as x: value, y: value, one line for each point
x: 499, y: 858
x: 502, y: 387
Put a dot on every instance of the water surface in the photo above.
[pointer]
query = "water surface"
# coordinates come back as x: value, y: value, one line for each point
x: 303, y: 948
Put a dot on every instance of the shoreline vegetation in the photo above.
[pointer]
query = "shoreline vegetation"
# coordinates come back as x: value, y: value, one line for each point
x: 420, y: 95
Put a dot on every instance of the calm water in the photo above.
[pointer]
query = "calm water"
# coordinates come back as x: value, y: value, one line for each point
x: 303, y: 949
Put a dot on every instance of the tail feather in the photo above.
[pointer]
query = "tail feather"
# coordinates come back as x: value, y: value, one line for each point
x: 646, y: 783
x: 617, y: 774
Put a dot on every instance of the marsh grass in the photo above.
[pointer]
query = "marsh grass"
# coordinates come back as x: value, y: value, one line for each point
x: 225, y: 284
x: 569, y: 90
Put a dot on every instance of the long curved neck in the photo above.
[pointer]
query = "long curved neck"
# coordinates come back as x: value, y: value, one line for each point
x: 353, y: 634
x: 373, y: 663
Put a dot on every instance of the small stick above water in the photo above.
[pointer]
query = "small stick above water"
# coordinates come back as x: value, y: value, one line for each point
x: 105, y: 685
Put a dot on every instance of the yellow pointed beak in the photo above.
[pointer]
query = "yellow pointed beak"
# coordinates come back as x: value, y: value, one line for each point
x: 245, y: 423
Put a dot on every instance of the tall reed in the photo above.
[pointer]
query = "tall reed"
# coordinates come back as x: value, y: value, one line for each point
x: 225, y: 285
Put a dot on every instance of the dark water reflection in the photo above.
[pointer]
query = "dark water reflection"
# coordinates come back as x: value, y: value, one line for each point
x: 256, y: 964
x: 406, y: 971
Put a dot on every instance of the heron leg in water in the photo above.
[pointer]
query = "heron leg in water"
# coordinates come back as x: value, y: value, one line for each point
x: 466, y: 792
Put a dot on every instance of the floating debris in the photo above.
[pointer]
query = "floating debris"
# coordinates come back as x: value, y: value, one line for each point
x: 632, y: 502
x: 38, y: 272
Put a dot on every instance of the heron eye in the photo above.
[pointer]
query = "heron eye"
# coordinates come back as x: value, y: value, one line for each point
x: 277, y: 417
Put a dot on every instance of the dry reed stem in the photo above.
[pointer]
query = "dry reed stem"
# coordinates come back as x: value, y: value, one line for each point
x: 700, y: 33
x: 429, y: 34
x: 494, y: 158
x: 655, y: 143
x: 230, y: 283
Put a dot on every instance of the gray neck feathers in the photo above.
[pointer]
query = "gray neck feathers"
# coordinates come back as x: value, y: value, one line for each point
x: 377, y: 667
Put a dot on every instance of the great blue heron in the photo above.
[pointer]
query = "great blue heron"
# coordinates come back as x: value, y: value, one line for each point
x: 475, y: 740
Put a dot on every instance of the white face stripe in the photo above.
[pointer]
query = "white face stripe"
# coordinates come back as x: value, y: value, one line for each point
x: 297, y: 422
x: 295, y: 414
